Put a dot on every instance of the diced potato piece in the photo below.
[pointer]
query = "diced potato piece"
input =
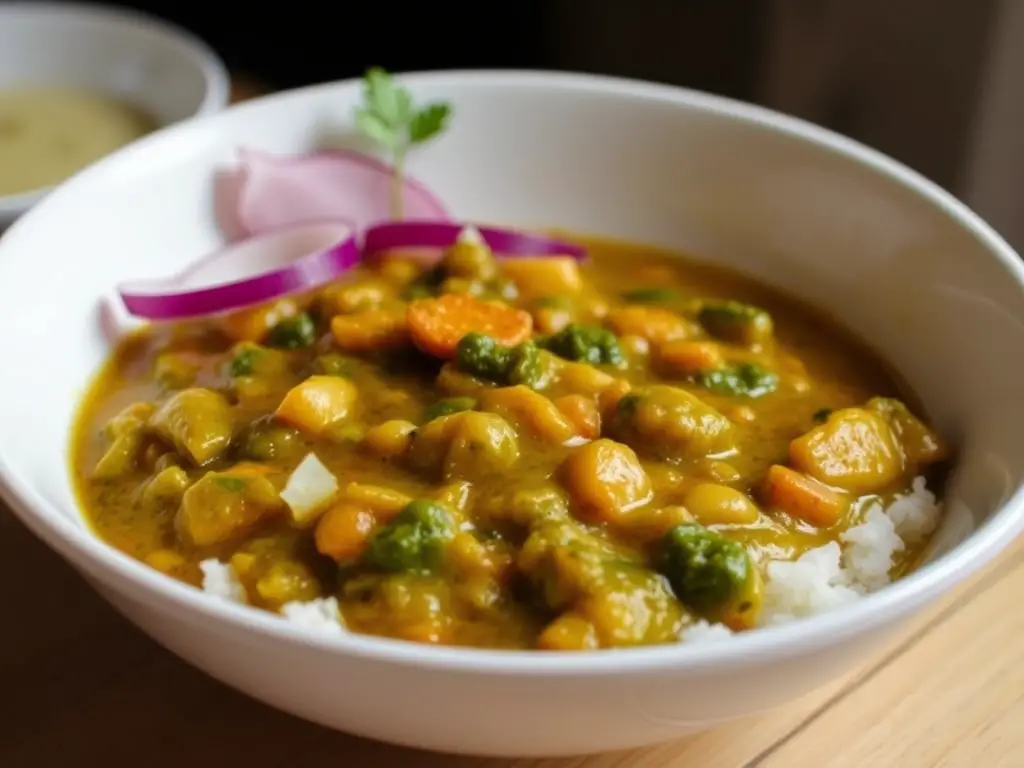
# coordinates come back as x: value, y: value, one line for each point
x: 482, y: 443
x: 551, y: 319
x: 176, y: 370
x: 165, y: 488
x: 921, y: 445
x: 399, y: 269
x: 390, y: 439
x: 652, y: 523
x: 543, y: 275
x: 120, y: 458
x: 126, y: 432
x: 197, y: 422
x: 253, y: 323
x: 317, y: 403
x: 370, y: 330
x: 310, y: 488
x: 854, y: 450
x: 529, y: 410
x: 583, y: 378
x: 718, y: 471
x: 222, y: 505
x: 287, y: 581
x: 569, y: 632
x: 344, y: 298
x: 451, y: 381
x: 668, y: 422
x: 582, y: 413
x: 130, y: 420
x: 605, y: 481
x: 469, y: 257
x: 690, y: 357
x: 344, y: 531
x: 655, y: 324
x: 714, y: 504
x: 803, y: 497
x: 465, y: 445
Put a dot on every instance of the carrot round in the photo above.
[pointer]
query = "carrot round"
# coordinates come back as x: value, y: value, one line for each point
x: 437, y: 325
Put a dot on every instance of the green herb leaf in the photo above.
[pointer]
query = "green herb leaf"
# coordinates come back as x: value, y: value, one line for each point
x: 375, y: 129
x: 428, y: 122
x: 387, y: 100
x: 230, y: 484
x: 744, y: 380
x: 390, y: 119
x: 651, y: 295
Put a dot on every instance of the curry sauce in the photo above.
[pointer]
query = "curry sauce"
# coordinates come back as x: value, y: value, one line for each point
x: 510, y: 453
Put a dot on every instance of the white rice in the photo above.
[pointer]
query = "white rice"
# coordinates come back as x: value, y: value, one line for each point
x: 320, y: 615
x: 705, y: 632
x: 819, y: 580
x: 839, y: 572
x: 834, y: 575
x: 221, y: 581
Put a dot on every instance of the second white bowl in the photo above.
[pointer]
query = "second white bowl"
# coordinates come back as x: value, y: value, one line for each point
x: 166, y: 71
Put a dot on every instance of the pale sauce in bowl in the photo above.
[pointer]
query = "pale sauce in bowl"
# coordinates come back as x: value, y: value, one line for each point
x: 48, y: 133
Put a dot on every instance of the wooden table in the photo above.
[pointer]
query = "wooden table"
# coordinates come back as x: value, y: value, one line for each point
x: 82, y: 687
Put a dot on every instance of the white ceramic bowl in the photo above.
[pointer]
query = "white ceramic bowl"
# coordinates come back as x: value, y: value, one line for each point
x: 903, y: 263
x: 153, y: 64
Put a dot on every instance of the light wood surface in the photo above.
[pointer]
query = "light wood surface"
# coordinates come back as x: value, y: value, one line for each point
x: 82, y: 687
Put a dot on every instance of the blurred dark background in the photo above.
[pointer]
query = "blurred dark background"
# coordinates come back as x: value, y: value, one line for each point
x: 935, y: 83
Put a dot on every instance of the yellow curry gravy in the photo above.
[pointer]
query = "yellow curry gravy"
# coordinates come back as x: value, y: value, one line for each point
x: 654, y: 431
x: 49, y: 133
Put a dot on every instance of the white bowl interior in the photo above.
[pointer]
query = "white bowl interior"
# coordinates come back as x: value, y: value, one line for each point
x: 162, y: 69
x: 933, y: 290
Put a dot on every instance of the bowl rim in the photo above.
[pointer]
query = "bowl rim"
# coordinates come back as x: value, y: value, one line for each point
x: 214, y: 70
x: 77, y: 543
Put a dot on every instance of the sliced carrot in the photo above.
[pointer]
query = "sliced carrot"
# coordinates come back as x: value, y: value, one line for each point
x: 582, y: 412
x: 344, y: 531
x: 369, y: 330
x: 437, y: 325
x: 803, y: 497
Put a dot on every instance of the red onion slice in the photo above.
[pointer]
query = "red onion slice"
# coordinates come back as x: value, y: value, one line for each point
x: 270, y: 192
x: 252, y: 271
x: 442, y: 234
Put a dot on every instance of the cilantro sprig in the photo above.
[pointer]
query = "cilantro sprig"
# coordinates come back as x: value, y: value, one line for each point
x: 389, y: 117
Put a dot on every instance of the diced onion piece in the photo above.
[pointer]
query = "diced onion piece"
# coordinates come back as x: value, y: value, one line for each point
x: 309, y: 489
x: 271, y: 191
x: 248, y: 272
x: 425, y: 234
